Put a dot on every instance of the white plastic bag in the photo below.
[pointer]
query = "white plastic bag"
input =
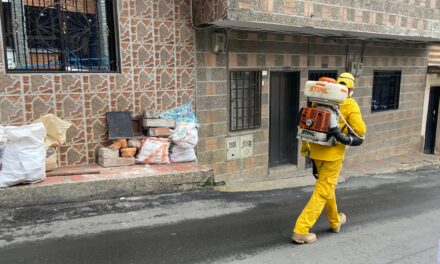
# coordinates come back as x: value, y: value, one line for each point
x: 154, y: 151
x: 185, y: 133
x: 24, y: 155
x: 182, y: 153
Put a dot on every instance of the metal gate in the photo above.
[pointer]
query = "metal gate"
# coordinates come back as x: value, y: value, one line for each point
x: 284, y: 104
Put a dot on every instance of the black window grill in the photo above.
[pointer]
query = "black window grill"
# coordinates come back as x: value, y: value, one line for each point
x: 316, y: 74
x: 59, y: 35
x: 386, y: 90
x: 245, y: 100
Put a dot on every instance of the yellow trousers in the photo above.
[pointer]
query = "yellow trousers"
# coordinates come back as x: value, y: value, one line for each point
x: 323, y: 196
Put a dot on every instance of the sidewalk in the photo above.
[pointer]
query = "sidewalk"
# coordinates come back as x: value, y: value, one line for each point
x: 109, y: 183
x: 413, y: 162
x: 175, y: 177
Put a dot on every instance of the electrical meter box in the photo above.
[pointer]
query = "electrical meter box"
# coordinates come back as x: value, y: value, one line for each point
x: 247, y: 145
x: 233, y: 148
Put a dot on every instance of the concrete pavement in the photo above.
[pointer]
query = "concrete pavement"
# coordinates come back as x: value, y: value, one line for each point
x: 392, y: 218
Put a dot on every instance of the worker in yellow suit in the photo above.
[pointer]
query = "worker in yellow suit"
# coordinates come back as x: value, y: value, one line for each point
x: 328, y: 161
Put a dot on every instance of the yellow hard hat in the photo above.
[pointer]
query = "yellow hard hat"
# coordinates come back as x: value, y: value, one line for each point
x: 346, y: 78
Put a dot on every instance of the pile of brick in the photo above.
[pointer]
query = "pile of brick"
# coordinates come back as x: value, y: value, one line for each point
x: 154, y: 126
x: 122, y: 152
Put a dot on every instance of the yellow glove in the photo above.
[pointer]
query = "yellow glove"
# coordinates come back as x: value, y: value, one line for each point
x: 305, y: 149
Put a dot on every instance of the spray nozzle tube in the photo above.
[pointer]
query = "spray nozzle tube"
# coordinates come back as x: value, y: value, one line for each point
x: 350, y: 140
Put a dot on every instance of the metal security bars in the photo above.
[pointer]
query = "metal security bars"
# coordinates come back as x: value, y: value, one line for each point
x: 316, y: 74
x: 59, y: 35
x: 386, y: 90
x: 245, y: 104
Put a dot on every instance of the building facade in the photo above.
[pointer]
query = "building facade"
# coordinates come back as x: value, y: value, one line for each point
x: 241, y: 63
x: 385, y: 43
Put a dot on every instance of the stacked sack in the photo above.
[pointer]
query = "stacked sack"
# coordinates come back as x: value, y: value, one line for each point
x: 184, y: 140
x: 184, y: 137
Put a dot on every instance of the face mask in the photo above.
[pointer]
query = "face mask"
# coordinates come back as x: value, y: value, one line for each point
x: 350, y: 94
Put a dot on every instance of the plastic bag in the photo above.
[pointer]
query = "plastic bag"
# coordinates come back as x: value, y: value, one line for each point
x: 185, y: 133
x: 56, y: 128
x: 154, y: 150
x: 185, y: 153
x: 24, y: 155
x: 183, y: 113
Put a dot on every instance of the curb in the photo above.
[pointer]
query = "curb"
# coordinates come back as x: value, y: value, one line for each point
x: 56, y: 193
x: 409, y: 168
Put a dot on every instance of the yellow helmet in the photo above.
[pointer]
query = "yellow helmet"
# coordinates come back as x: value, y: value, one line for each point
x: 346, y: 78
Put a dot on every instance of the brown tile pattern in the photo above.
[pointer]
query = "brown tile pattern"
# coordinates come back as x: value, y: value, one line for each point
x: 157, y: 61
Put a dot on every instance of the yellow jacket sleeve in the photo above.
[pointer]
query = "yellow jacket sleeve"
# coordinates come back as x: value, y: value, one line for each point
x: 352, y: 114
x: 305, y: 148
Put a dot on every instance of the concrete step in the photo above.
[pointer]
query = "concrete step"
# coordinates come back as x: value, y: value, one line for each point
x: 110, y: 183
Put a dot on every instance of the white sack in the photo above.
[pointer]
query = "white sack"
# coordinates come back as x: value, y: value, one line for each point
x: 24, y: 155
x: 185, y: 156
x: 185, y: 132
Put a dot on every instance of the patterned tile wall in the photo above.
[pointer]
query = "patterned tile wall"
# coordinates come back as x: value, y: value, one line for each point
x: 157, y: 72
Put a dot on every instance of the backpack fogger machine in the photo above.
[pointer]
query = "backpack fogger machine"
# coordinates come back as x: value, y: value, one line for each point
x: 319, y: 123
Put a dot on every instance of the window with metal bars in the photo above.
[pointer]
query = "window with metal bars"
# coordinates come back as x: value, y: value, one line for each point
x: 316, y: 74
x: 245, y: 100
x: 386, y: 90
x: 59, y: 35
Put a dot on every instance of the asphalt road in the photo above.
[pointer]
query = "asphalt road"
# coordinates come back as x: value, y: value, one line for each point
x: 392, y: 218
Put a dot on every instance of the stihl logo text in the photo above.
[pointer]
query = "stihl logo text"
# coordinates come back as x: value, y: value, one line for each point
x: 308, y: 133
x: 318, y: 89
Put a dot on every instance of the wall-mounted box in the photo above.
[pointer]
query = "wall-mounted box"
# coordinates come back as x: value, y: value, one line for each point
x: 247, y: 146
x: 233, y: 148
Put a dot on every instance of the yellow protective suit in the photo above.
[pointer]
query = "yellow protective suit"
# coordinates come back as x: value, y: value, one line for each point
x: 328, y: 161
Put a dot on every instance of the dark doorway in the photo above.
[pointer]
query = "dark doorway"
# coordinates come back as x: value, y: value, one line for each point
x: 431, y: 120
x: 284, y: 104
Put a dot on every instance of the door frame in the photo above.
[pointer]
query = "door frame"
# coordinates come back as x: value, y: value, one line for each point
x: 431, y: 127
x: 298, y: 93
